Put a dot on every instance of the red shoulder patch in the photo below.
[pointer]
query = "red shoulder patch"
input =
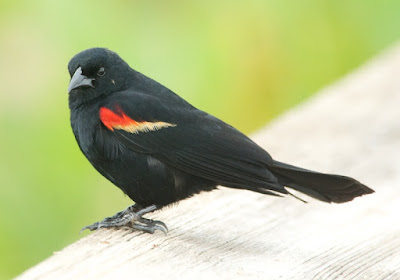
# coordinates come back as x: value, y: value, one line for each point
x: 111, y: 119
x: 121, y: 121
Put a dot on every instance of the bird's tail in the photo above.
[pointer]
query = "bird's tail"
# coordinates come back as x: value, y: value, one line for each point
x: 325, y: 187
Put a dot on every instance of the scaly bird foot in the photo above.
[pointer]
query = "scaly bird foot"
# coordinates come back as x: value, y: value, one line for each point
x: 132, y: 217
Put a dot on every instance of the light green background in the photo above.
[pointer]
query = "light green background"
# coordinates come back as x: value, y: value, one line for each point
x: 243, y: 61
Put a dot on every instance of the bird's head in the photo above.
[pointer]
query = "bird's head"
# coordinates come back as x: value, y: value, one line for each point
x: 95, y: 72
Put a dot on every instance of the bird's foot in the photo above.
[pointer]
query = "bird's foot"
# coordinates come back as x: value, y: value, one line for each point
x: 132, y: 217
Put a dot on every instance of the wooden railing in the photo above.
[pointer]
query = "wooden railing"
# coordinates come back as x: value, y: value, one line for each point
x: 351, y: 128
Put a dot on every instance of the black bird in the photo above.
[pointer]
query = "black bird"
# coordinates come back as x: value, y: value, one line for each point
x: 158, y: 149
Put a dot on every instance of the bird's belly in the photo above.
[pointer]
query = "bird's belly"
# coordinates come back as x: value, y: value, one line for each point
x: 147, y: 180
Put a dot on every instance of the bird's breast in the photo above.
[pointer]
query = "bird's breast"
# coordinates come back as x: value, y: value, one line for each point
x: 84, y: 124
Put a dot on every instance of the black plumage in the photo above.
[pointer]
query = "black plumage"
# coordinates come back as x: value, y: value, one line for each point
x: 159, y: 149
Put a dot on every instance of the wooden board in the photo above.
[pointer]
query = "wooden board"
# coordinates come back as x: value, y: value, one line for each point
x: 352, y: 128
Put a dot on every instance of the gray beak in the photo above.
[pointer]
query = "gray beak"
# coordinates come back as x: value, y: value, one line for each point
x: 79, y: 80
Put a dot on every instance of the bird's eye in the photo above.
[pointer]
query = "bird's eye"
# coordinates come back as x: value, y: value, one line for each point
x: 101, y: 72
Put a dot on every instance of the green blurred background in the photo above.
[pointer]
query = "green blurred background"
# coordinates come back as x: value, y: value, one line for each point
x: 243, y: 61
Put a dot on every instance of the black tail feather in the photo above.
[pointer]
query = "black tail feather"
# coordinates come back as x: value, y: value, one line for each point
x: 324, y: 187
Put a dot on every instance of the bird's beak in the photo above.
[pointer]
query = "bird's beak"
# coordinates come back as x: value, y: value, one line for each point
x: 79, y: 80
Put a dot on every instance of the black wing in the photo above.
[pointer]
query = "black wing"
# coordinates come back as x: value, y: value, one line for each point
x: 192, y: 141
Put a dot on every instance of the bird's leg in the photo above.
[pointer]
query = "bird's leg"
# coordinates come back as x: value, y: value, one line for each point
x: 133, y: 217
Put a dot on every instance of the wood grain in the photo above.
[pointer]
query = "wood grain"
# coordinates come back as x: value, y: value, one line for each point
x: 351, y: 128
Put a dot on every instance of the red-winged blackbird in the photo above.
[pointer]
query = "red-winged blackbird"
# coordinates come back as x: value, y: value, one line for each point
x: 159, y: 149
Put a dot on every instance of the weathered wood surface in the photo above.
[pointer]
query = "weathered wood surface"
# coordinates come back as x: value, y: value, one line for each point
x: 352, y: 128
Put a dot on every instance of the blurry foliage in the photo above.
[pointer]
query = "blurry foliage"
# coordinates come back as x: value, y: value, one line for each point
x: 243, y: 61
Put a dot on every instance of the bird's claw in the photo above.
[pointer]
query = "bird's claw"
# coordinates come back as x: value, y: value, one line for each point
x: 151, y: 227
x: 133, y: 218
x: 91, y: 227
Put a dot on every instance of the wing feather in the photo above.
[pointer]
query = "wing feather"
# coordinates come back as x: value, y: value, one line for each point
x: 197, y: 143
